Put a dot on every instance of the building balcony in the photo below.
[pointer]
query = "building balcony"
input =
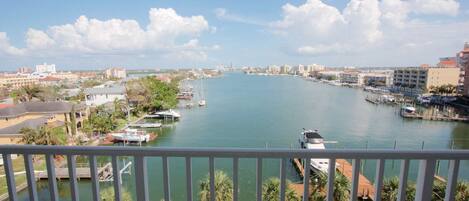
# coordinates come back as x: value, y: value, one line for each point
x: 427, y: 159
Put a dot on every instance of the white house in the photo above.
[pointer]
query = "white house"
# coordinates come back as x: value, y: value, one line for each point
x: 101, y: 95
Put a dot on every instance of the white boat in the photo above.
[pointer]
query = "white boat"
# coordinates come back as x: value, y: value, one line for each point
x: 202, y: 103
x: 310, y: 139
x: 168, y: 114
x: 146, y: 125
x: 131, y: 135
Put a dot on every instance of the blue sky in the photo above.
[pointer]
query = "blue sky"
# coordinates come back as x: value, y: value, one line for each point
x: 181, y: 34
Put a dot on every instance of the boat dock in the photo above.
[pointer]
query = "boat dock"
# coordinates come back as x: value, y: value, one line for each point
x: 145, y: 125
x: 433, y: 117
x: 370, y: 100
x: 365, y: 187
x: 82, y: 172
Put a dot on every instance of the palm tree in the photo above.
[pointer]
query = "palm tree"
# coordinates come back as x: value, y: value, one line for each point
x: 223, y: 187
x: 341, y: 186
x: 271, y: 191
x: 462, y: 191
x: 390, y: 189
x: 29, y: 135
x: 31, y: 91
x: 43, y: 136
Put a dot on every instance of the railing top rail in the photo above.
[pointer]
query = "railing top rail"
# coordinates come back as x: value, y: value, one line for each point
x: 235, y: 152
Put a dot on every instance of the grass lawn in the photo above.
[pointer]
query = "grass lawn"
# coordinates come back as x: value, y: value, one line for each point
x: 18, y: 166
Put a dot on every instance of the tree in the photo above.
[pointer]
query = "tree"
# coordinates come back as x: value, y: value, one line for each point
x: 341, y: 186
x: 32, y: 91
x: 107, y: 194
x: 43, y: 135
x: 73, y: 121
x: 120, y: 109
x: 149, y: 94
x: 223, y: 187
x: 271, y: 191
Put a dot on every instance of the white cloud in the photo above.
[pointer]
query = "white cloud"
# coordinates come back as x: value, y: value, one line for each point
x: 6, y: 47
x: 223, y: 14
x: 316, y: 28
x: 164, y: 33
x: 445, y: 7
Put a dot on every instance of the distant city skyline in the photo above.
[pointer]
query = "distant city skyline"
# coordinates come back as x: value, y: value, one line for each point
x: 178, y: 34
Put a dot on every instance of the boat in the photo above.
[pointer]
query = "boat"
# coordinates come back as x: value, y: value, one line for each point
x: 146, y: 125
x: 310, y: 139
x: 202, y: 103
x: 131, y: 135
x: 170, y: 114
x: 408, y: 109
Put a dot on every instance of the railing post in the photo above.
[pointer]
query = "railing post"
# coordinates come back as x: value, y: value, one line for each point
x: 282, y: 178
x: 235, y: 178
x: 71, y: 163
x: 141, y: 178
x: 10, y: 177
x: 452, y: 180
x: 166, y: 187
x: 404, y: 173
x: 94, y: 177
x: 212, y: 178
x: 54, y: 195
x: 355, y: 176
x: 116, y: 179
x: 189, y: 178
x: 330, y: 180
x: 425, y: 180
x: 379, y: 179
x: 306, y: 178
x: 29, y: 167
x: 259, y: 179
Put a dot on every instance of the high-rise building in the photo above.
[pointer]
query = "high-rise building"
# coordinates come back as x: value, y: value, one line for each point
x: 447, y: 62
x: 115, y: 73
x: 45, y: 68
x: 25, y: 70
x: 463, y: 63
x: 285, y: 69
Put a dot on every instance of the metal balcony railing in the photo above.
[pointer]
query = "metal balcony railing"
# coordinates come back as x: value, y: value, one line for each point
x: 424, y: 181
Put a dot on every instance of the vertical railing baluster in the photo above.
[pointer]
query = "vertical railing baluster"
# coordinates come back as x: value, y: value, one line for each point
x: 189, y: 178
x: 283, y: 176
x: 307, y: 169
x: 212, y: 178
x: 355, y: 176
x: 94, y: 177
x: 425, y: 176
x: 116, y: 178
x: 72, y: 165
x: 259, y: 179
x: 166, y: 187
x: 404, y: 173
x: 330, y: 180
x: 29, y: 167
x: 141, y: 178
x: 54, y: 196
x: 235, y: 178
x: 451, y: 185
x: 10, y: 177
x: 379, y: 179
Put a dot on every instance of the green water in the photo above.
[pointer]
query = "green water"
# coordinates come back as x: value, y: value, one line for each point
x: 260, y: 111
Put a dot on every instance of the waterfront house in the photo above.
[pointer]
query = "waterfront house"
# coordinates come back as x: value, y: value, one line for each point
x: 36, y: 114
x: 101, y: 95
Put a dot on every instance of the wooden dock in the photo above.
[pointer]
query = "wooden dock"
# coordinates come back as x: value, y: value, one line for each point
x: 104, y: 173
x: 365, y: 187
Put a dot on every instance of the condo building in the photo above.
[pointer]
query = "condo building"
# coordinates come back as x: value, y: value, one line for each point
x: 419, y: 80
x: 14, y: 82
x: 119, y: 73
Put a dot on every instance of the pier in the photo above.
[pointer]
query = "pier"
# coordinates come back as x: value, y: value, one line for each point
x: 365, y: 187
x: 82, y: 172
x: 434, y: 117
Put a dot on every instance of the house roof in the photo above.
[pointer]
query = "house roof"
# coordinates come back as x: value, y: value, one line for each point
x: 5, y: 105
x: 30, y: 123
x: 38, y: 107
x: 105, y: 90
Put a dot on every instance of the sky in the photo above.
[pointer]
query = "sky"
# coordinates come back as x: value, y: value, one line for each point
x: 185, y: 34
